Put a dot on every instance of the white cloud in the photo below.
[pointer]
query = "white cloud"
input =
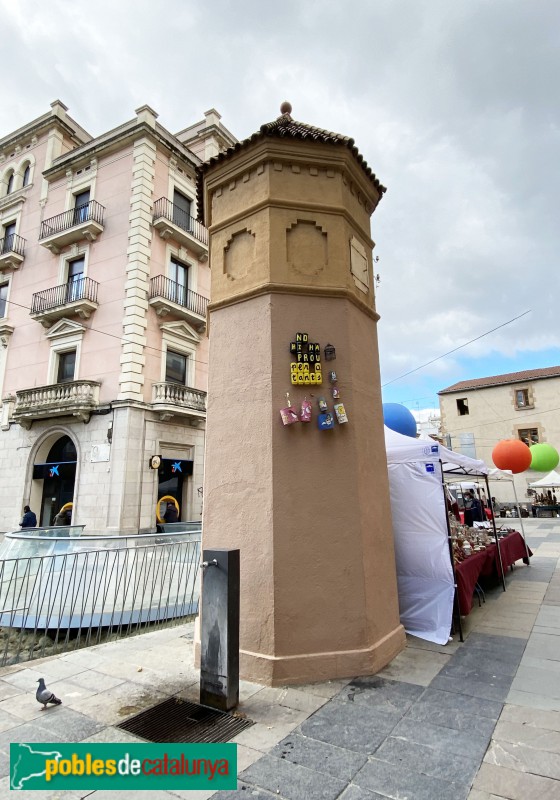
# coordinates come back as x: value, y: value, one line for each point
x: 452, y: 105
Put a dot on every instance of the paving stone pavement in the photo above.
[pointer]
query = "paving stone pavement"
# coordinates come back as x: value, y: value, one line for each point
x: 478, y: 720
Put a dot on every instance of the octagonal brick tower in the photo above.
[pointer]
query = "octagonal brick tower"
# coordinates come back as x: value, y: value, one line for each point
x: 288, y: 211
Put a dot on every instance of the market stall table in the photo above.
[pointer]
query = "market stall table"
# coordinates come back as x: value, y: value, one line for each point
x: 486, y: 563
x: 545, y: 511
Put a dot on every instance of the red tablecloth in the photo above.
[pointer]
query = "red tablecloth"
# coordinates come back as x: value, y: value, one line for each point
x: 486, y: 563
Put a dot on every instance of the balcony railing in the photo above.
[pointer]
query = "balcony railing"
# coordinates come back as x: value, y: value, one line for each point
x: 12, y: 244
x: 76, y: 398
x: 172, y: 398
x: 58, y: 296
x: 77, y: 224
x: 183, y: 227
x: 12, y: 251
x: 163, y: 287
x: 89, y: 212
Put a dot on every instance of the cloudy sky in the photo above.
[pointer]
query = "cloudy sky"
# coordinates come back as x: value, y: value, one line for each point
x: 454, y: 104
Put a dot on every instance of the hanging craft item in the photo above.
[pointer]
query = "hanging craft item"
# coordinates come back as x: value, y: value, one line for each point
x: 340, y: 412
x: 332, y: 377
x: 335, y: 392
x: 330, y: 353
x: 325, y: 421
x: 288, y: 414
x: 305, y: 413
x: 323, y: 406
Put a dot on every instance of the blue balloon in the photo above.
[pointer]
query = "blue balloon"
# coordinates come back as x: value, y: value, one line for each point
x: 399, y: 419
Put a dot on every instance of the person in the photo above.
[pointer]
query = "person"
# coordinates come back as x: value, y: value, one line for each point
x: 477, y: 509
x: 496, y: 507
x: 468, y: 510
x: 554, y: 500
x: 62, y: 518
x: 171, y: 514
x: 29, y: 519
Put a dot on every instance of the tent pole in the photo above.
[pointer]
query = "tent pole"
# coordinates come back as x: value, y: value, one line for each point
x: 521, y: 521
x: 496, y: 534
x: 450, y: 545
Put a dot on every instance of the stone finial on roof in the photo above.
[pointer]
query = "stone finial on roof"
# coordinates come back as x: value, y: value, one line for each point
x: 286, y: 108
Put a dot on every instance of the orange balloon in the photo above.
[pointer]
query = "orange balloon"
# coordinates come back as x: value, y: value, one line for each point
x: 512, y: 454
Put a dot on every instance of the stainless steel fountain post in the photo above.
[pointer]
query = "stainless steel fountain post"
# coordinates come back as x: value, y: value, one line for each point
x: 219, y: 629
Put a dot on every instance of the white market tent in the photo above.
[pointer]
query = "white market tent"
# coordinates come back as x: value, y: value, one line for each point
x: 424, y: 571
x: 552, y: 480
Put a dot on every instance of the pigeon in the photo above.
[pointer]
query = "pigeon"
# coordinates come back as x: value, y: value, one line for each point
x: 45, y: 696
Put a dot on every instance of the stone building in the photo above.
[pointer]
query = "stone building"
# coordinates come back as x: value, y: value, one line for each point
x: 476, y: 414
x: 104, y: 285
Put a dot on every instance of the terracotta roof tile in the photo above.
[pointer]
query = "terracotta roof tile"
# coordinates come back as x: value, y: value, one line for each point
x: 500, y: 380
x: 283, y: 127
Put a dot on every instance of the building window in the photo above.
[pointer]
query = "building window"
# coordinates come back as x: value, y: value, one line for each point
x: 522, y: 398
x: 26, y: 175
x: 176, y: 368
x: 529, y: 435
x: 75, y: 279
x: 179, y: 275
x: 9, y: 233
x: 10, y: 188
x: 462, y: 406
x: 181, y: 211
x: 66, y: 367
x: 3, y: 298
x: 81, y: 207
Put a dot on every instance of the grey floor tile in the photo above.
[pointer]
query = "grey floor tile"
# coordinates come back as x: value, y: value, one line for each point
x: 542, y: 645
x: 515, y: 785
x: 524, y: 758
x: 529, y: 735
x: 394, y: 781
x: 428, y: 761
x: 478, y: 727
x: 245, y: 792
x: 531, y: 718
x: 496, y: 644
x: 533, y: 700
x: 439, y: 700
x: 320, y: 756
x: 485, y: 672
x: 292, y: 781
x: 495, y: 689
x: 545, y: 677
x: 395, y: 697
x: 351, y: 726
x: 461, y: 743
x: 354, y: 792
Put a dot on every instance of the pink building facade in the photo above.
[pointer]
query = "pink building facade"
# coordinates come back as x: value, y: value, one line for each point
x: 104, y: 284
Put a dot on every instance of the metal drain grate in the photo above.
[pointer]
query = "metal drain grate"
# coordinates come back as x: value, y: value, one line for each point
x: 177, y: 720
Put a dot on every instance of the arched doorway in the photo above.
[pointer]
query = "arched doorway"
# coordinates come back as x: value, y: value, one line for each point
x: 58, y: 474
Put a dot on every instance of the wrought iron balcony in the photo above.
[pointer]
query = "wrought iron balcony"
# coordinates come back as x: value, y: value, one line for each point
x: 12, y: 252
x: 76, y: 399
x: 173, y: 222
x: 75, y: 298
x: 172, y: 399
x: 82, y: 222
x: 169, y: 297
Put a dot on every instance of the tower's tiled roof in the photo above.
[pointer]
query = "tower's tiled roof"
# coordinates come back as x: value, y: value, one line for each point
x: 287, y: 127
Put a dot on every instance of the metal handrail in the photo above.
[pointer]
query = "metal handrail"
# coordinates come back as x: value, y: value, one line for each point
x: 57, y: 296
x: 178, y: 216
x: 12, y: 244
x: 160, y: 286
x: 88, y: 212
x: 56, y: 598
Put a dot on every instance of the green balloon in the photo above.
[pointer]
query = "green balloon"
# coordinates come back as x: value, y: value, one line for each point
x: 544, y: 457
